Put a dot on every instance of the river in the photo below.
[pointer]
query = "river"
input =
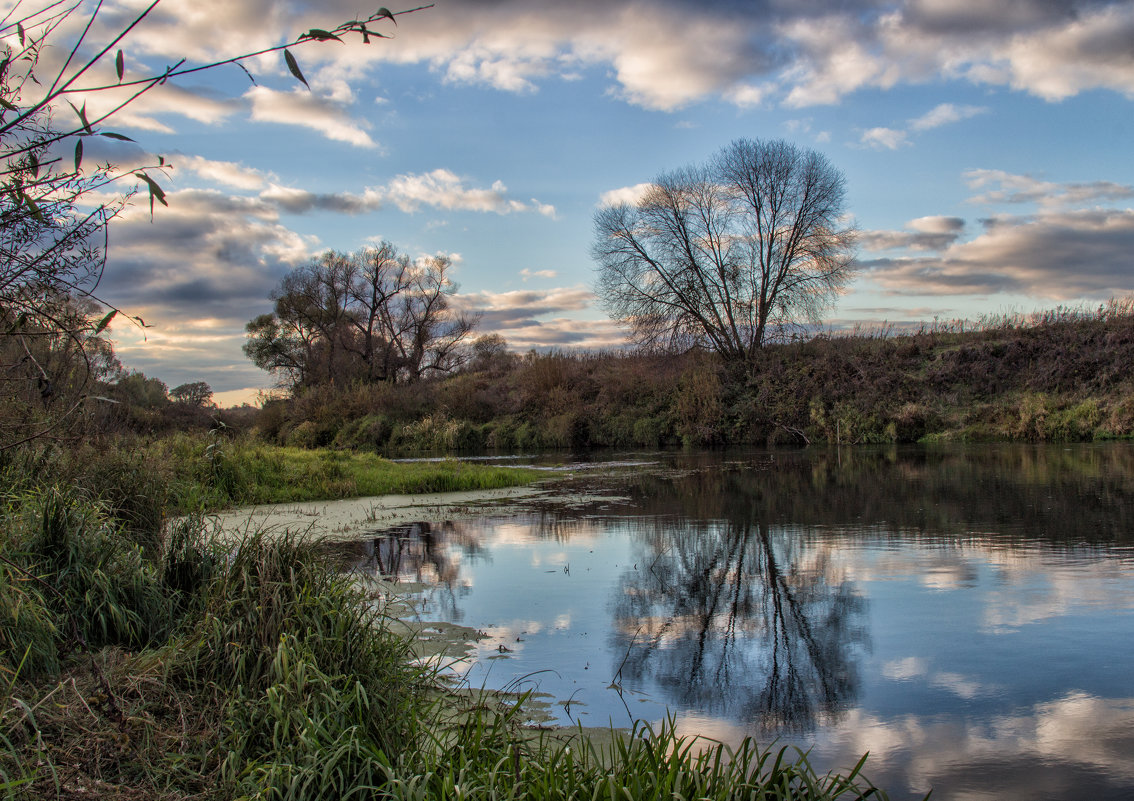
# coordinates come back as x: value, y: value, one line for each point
x: 964, y: 614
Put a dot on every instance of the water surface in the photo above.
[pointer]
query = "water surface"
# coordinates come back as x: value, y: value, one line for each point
x: 966, y: 615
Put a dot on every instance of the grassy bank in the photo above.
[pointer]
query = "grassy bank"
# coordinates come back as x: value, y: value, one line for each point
x: 138, y: 481
x: 1060, y: 376
x: 162, y: 667
x: 220, y: 471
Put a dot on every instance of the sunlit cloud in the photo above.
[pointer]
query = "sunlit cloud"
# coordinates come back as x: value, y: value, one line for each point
x: 925, y: 233
x: 884, y: 138
x: 528, y: 274
x: 409, y: 192
x: 543, y: 319
x: 669, y: 55
x: 226, y: 173
x: 894, y: 138
x: 1052, y: 255
x: 945, y: 114
x: 444, y: 189
x: 628, y: 195
x: 1004, y: 187
x: 305, y: 109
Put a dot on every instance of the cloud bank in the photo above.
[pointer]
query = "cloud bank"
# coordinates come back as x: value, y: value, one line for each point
x: 669, y: 54
x: 1073, y: 246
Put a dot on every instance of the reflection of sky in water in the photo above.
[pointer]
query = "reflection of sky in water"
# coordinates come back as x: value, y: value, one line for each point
x: 983, y: 667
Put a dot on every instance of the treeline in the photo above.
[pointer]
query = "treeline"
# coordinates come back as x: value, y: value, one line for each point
x: 1059, y: 376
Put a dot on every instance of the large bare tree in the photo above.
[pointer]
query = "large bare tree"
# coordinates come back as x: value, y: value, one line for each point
x: 373, y: 315
x: 728, y: 255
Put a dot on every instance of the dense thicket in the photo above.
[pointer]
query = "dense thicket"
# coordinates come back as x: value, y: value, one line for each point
x: 1063, y: 375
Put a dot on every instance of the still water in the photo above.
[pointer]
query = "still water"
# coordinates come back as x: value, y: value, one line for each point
x: 966, y: 615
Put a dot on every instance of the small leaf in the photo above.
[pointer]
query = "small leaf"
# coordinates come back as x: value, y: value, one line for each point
x: 34, y: 164
x: 32, y: 206
x: 320, y: 35
x: 120, y: 65
x: 156, y: 192
x: 104, y: 322
x: 161, y: 161
x: 82, y: 116
x: 384, y: 13
x: 294, y: 67
x: 118, y: 136
x: 20, y: 32
x: 78, y: 154
x: 7, y: 105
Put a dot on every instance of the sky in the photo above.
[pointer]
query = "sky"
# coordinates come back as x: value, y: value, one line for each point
x: 988, y: 151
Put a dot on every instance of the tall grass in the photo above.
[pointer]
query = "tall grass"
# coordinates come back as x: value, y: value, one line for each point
x: 488, y: 761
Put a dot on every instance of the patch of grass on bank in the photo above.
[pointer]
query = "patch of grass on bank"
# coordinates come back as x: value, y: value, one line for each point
x: 221, y: 472
x: 257, y: 670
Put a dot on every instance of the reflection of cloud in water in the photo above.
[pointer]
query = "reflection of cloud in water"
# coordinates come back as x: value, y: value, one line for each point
x: 961, y: 686
x: 1033, y: 754
x: 1018, y: 586
x: 912, y: 668
x: 907, y: 669
x: 550, y: 560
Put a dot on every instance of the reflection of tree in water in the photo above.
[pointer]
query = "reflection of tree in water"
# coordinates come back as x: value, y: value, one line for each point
x: 432, y: 554
x: 742, y: 620
x: 429, y: 554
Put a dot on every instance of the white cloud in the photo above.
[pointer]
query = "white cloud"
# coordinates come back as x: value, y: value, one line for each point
x: 894, y: 138
x: 444, y: 189
x: 306, y: 109
x: 944, y: 114
x: 527, y: 274
x: 227, y: 173
x: 884, y: 138
x: 1006, y: 187
x: 409, y: 192
x: 626, y: 194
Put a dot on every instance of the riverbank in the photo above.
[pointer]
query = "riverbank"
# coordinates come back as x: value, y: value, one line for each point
x: 145, y: 661
x: 1060, y: 376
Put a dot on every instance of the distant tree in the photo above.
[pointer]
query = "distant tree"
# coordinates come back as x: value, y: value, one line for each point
x: 373, y: 315
x: 54, y: 205
x: 728, y: 255
x: 138, y: 390
x: 490, y: 355
x: 197, y: 394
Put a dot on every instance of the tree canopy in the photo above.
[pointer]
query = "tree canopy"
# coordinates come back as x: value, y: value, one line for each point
x: 730, y: 254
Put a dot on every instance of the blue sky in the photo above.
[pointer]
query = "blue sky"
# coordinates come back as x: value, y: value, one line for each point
x: 986, y: 146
